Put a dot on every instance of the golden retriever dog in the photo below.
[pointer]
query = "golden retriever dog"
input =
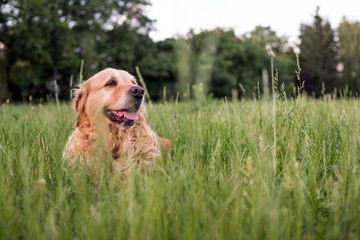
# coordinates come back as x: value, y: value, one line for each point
x: 110, y: 123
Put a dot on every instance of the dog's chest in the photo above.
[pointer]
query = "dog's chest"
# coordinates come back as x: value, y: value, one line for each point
x: 125, y: 144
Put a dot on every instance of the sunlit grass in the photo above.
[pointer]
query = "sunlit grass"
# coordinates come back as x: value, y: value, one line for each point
x: 218, y: 182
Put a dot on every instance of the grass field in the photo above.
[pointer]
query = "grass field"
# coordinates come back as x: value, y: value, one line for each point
x: 237, y: 171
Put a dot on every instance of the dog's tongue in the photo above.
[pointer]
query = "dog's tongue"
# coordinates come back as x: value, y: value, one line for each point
x: 131, y: 116
x: 127, y: 115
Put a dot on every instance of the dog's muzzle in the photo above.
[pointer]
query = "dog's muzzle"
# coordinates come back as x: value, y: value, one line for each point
x: 138, y: 93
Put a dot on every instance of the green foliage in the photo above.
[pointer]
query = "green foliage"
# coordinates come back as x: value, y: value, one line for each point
x: 222, y: 61
x: 349, y: 39
x: 4, y: 92
x: 45, y: 40
x: 266, y: 36
x: 218, y: 181
x: 319, y: 56
x: 159, y: 69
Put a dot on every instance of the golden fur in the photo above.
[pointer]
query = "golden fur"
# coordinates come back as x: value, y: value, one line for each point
x: 96, y: 137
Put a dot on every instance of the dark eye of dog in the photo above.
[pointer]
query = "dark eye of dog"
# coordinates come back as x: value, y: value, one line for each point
x: 112, y: 82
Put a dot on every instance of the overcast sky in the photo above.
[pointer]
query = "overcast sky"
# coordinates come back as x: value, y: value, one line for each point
x: 284, y: 16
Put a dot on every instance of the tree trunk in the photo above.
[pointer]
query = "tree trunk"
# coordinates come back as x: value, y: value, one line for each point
x: 4, y: 91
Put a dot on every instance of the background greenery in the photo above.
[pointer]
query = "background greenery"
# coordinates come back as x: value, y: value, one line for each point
x: 221, y: 180
x: 43, y: 41
x: 287, y: 169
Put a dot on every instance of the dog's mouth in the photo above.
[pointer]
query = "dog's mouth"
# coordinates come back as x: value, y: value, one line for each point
x: 122, y: 117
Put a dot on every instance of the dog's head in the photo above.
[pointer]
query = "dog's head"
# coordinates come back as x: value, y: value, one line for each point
x: 113, y: 94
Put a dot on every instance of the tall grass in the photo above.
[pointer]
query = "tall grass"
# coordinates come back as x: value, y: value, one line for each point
x: 217, y: 183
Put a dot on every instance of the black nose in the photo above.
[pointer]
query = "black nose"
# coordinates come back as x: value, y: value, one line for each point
x: 137, y: 91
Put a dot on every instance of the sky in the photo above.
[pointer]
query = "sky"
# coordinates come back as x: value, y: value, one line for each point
x: 177, y: 17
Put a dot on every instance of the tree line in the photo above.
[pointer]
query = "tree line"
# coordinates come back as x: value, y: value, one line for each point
x: 42, y: 43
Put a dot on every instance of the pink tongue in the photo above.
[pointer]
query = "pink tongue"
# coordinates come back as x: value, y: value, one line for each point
x: 127, y: 115
x: 131, y: 116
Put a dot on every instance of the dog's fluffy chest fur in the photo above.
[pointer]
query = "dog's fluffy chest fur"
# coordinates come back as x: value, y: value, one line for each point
x: 137, y: 145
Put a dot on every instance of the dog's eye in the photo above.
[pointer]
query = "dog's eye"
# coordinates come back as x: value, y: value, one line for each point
x: 112, y: 82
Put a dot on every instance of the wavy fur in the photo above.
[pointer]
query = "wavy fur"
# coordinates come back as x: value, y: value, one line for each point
x: 96, y: 138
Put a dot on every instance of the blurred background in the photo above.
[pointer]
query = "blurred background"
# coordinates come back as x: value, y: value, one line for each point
x: 219, y: 48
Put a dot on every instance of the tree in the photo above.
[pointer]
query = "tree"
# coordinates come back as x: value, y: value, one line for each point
x: 38, y: 46
x: 319, y: 56
x: 266, y: 36
x: 45, y: 40
x: 221, y: 61
x: 349, y: 38
x: 5, y: 17
x: 110, y: 28
x: 158, y: 68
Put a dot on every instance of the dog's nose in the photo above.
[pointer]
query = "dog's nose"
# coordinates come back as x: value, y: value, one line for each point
x: 137, y: 92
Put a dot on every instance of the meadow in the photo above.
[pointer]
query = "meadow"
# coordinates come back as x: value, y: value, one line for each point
x: 242, y: 170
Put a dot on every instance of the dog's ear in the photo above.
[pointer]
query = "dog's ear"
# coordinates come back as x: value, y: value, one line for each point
x: 81, y: 95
